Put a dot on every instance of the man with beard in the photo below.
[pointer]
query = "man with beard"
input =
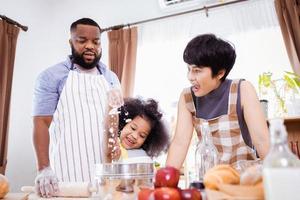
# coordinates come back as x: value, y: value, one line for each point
x: 70, y: 101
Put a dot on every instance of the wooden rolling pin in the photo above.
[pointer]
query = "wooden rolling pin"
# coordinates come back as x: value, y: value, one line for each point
x: 68, y: 189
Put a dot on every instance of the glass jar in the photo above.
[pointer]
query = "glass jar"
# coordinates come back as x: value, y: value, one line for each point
x: 281, y: 168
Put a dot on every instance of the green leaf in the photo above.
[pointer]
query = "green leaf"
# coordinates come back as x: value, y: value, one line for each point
x: 266, y: 79
x: 292, y: 79
x: 292, y: 74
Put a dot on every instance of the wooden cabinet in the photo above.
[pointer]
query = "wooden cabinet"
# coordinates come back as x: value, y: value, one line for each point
x: 292, y: 125
x: 293, y: 128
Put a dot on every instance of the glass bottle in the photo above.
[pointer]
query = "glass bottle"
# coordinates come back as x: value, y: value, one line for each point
x: 206, y: 154
x: 281, y: 168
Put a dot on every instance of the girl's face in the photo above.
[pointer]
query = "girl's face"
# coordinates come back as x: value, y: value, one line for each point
x: 202, y: 80
x: 135, y: 132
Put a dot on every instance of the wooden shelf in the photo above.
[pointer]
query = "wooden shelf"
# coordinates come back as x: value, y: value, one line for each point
x: 292, y: 119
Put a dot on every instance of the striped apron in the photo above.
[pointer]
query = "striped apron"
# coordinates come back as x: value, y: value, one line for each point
x: 225, y: 129
x: 76, y: 131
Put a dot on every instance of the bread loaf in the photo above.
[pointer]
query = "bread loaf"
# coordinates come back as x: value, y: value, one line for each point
x: 4, y: 186
x: 221, y: 174
x: 252, y: 175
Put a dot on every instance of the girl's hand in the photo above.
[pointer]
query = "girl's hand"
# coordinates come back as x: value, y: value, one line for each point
x: 115, y: 98
x: 116, y: 153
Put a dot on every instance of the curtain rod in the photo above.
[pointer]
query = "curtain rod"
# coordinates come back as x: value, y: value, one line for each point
x: 24, y: 28
x: 205, y: 8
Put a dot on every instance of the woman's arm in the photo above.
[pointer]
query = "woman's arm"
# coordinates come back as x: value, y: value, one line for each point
x: 183, y: 135
x: 255, y: 118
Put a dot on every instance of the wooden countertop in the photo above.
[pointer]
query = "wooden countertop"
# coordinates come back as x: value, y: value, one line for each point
x: 211, y: 195
x: 23, y: 196
x: 105, y: 192
x: 14, y: 196
x: 108, y: 192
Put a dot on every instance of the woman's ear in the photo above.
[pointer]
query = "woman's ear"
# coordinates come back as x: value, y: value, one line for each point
x: 221, y: 74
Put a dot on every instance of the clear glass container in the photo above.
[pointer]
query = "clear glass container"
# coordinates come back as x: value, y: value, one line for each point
x: 206, y: 154
x: 281, y: 168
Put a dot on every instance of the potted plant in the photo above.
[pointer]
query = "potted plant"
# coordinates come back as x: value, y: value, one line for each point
x: 284, y: 89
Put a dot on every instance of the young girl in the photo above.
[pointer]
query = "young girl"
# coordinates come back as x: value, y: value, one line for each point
x: 142, y: 132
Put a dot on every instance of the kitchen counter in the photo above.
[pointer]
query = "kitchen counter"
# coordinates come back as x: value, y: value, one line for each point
x: 211, y: 195
x: 14, y: 196
x: 22, y: 196
x: 106, y: 192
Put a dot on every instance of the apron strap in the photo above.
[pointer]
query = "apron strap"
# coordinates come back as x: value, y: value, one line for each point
x: 233, y: 94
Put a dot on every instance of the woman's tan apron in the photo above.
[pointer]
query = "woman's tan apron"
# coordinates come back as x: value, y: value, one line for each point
x: 225, y: 129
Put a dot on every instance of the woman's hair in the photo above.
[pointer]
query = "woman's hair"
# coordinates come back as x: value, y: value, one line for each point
x: 207, y: 50
x: 158, y: 138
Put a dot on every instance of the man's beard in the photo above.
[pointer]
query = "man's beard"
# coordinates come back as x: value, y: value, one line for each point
x: 78, y: 59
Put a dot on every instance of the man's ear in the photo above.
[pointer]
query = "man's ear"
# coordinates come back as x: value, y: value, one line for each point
x: 221, y: 74
x: 70, y: 42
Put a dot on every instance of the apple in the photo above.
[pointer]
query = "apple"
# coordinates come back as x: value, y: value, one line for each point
x: 166, y: 193
x: 167, y: 177
x: 146, y: 194
x: 190, y: 194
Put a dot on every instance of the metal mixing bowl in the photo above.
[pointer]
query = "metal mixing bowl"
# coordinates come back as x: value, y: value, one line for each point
x: 125, y: 170
x: 124, y: 177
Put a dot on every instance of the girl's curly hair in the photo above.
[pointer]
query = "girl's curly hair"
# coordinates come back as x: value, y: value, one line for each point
x: 158, y: 139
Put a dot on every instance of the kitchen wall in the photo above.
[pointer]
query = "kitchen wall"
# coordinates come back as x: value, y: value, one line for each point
x: 44, y: 44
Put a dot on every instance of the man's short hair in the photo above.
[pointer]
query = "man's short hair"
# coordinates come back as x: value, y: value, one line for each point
x: 85, y: 21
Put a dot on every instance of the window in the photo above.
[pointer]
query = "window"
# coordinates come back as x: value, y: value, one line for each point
x: 252, y: 27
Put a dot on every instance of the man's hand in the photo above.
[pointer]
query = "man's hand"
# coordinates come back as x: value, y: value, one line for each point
x: 46, y: 183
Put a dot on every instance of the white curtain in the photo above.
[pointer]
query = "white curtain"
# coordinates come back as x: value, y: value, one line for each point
x: 252, y: 26
x: 225, y: 20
